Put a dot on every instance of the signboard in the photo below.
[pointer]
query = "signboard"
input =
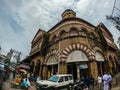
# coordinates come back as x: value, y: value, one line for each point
x: 83, y: 66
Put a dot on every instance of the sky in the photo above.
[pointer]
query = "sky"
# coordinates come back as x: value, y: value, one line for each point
x: 21, y: 19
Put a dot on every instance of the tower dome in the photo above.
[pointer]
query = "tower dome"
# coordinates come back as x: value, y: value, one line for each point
x: 68, y: 14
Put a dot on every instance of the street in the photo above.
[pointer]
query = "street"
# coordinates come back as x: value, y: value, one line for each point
x: 7, y: 86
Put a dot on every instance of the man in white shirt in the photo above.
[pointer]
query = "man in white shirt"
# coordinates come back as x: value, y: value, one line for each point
x: 99, y: 82
x: 106, y: 81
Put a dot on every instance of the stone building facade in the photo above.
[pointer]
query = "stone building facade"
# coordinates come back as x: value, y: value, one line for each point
x: 73, y: 46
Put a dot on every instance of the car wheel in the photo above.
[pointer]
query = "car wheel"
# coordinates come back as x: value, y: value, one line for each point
x: 70, y: 87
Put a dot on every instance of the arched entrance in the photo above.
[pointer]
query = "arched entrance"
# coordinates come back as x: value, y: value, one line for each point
x: 52, y: 62
x: 77, y: 64
x: 52, y: 65
x: 100, y: 62
x: 111, y: 65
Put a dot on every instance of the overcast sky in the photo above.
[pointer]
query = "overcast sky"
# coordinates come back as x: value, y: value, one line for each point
x: 21, y: 19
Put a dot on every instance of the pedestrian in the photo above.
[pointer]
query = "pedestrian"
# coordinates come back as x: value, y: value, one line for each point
x: 25, y: 85
x: 14, y: 73
x: 87, y: 81
x: 99, y: 82
x: 110, y: 81
x: 106, y: 81
x: 91, y: 86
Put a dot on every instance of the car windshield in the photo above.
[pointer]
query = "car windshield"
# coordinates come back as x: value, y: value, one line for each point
x: 53, y: 78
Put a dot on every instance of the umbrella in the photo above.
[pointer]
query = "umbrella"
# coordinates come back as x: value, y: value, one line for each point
x: 22, y: 70
x: 24, y: 66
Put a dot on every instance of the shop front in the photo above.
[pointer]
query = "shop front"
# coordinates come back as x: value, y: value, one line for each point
x: 100, y: 63
x: 52, y: 66
x: 77, y: 64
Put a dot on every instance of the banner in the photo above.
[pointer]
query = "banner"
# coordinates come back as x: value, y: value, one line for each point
x: 83, y: 66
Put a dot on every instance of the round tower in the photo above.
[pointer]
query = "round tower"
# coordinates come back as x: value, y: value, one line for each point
x: 68, y: 14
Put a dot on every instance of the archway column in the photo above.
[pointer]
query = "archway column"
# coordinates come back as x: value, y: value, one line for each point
x: 78, y: 71
x: 62, y: 67
x: 93, y: 69
x: 45, y: 72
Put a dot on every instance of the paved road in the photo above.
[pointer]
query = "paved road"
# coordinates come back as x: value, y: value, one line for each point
x: 7, y: 85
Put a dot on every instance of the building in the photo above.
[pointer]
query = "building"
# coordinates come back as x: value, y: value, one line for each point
x: 3, y: 58
x: 73, y: 46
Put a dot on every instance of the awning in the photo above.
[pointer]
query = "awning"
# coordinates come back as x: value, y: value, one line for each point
x: 99, y: 56
x: 24, y: 66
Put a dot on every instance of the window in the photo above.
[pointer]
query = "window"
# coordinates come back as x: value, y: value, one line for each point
x: 66, y: 78
x: 61, y: 79
x: 73, y: 31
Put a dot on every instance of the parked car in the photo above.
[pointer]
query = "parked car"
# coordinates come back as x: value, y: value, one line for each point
x: 55, y: 82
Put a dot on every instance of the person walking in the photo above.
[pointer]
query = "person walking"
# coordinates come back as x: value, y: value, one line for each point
x: 87, y: 81
x: 91, y: 86
x: 99, y: 82
x: 106, y: 81
x: 110, y: 81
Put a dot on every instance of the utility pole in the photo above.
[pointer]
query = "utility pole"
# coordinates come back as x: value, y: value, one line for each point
x: 114, y: 19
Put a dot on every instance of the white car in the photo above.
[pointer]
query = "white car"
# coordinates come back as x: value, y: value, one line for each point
x: 55, y: 82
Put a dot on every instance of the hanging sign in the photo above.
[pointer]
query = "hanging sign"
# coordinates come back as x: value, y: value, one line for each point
x: 83, y: 66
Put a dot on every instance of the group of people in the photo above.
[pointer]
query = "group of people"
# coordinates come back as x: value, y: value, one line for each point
x: 23, y: 79
x: 107, y: 81
x: 89, y: 80
x: 104, y: 81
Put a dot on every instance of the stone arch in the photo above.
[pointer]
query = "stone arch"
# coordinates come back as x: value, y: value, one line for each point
x: 53, y: 38
x: 98, y: 54
x: 92, y: 35
x: 52, y: 52
x: 62, y: 34
x: 77, y: 46
x: 73, y: 31
x: 83, y: 31
x: 111, y: 63
x: 97, y: 49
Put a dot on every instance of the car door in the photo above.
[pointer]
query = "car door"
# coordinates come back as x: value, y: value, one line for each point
x: 63, y: 83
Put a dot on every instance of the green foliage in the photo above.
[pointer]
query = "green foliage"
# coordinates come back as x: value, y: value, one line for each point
x: 103, y: 41
x: 45, y: 43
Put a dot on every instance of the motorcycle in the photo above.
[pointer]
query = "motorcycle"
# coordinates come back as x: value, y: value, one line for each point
x: 79, y: 85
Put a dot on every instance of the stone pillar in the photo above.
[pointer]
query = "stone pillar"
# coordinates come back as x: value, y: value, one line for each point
x: 93, y: 69
x: 64, y: 69
x: 78, y: 71
x: 52, y: 70
x: 45, y: 72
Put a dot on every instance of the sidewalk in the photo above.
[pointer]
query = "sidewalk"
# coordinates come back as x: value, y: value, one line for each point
x: 115, y: 84
x: 7, y: 86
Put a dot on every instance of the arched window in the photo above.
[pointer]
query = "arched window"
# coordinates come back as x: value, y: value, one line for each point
x: 53, y: 38
x: 92, y: 35
x: 84, y: 31
x: 73, y: 31
x: 62, y: 34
